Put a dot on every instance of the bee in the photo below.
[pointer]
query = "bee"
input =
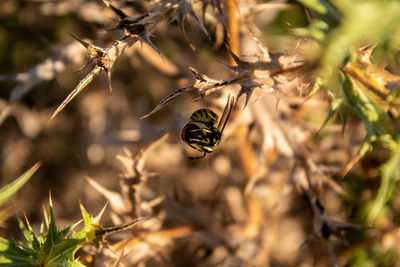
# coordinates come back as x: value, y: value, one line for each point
x: 200, y: 132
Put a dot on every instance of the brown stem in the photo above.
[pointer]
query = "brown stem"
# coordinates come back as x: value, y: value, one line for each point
x: 233, y: 26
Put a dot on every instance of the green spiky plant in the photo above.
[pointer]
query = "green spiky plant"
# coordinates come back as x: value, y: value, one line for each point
x: 349, y: 68
x: 54, y: 247
x: 51, y: 248
x: 9, y: 190
x: 348, y: 34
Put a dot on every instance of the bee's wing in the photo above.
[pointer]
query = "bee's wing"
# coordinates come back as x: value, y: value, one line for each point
x: 226, y: 113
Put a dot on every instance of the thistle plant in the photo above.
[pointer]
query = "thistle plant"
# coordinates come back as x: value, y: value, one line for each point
x: 53, y: 247
x: 309, y: 155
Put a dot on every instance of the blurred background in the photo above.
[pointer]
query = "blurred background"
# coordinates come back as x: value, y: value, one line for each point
x: 250, y: 202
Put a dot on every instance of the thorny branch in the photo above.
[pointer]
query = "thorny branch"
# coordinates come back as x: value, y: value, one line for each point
x: 271, y: 73
x: 277, y: 72
x: 133, y: 30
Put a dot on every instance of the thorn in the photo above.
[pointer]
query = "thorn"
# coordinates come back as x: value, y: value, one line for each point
x: 196, y: 73
x: 246, y: 101
x: 120, y: 257
x: 309, y: 238
x: 106, y: 2
x: 363, y: 150
x: 50, y: 200
x: 26, y: 219
x: 191, y: 69
x: 82, y: 84
x: 182, y: 26
x: 265, y: 52
x: 117, y: 11
x: 108, y: 73
x: 45, y: 215
x: 233, y: 55
x: 248, y: 94
x: 85, y: 44
x: 125, y: 226
x: 82, y: 207
x: 145, y: 116
x: 98, y: 217
x: 83, y: 66
x: 144, y: 37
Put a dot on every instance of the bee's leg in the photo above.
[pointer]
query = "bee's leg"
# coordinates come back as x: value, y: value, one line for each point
x: 198, y: 157
x: 202, y: 129
x: 192, y: 146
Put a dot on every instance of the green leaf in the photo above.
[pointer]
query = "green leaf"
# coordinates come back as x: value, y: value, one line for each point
x: 374, y: 117
x: 12, y: 254
x: 390, y: 174
x: 51, y: 249
x: 315, y: 5
x: 10, y: 189
x: 361, y: 106
x: 362, y: 21
x: 316, y: 30
x: 64, y: 251
x: 90, y: 229
x: 324, y: 16
x: 336, y: 105
x: 51, y: 237
x: 25, y: 231
x: 345, y: 115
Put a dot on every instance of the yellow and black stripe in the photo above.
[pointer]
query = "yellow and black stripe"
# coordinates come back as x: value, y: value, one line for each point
x: 206, y: 116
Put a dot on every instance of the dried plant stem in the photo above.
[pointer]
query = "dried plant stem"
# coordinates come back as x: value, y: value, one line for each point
x: 233, y: 27
x: 246, y: 153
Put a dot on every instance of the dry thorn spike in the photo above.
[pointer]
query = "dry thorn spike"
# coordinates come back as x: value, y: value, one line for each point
x: 119, y: 12
x: 102, y: 63
x: 97, y: 219
x: 82, y: 84
x: 144, y: 37
x: 45, y: 216
x: 85, y: 44
x: 126, y: 226
x: 50, y: 199
x: 108, y: 73
x: 168, y: 99
x: 120, y: 258
x: 237, y: 60
x: 107, y: 3
x: 141, y: 158
x: 27, y: 221
x: 83, y: 66
x: 112, y: 197
x: 265, y: 52
x: 93, y: 51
